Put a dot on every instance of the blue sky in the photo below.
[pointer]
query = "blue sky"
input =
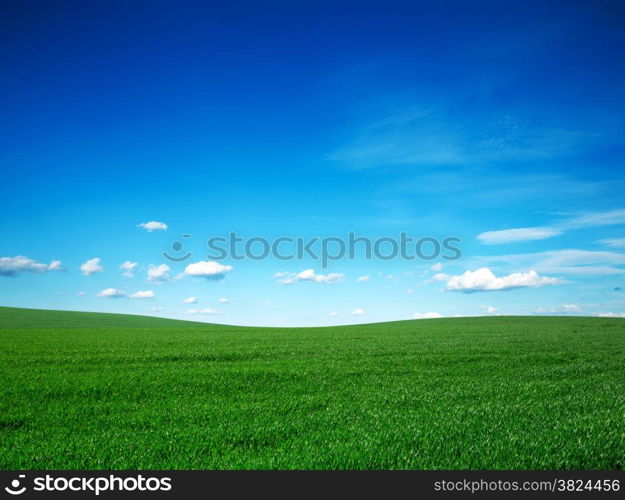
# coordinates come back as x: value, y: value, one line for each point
x: 499, y: 124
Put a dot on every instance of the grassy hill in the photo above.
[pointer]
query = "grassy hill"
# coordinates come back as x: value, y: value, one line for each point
x: 101, y: 391
x: 15, y: 317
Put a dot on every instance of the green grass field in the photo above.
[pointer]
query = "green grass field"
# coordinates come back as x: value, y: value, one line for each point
x: 98, y: 391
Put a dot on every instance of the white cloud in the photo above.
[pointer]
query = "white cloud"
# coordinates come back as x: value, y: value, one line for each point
x: 484, y: 280
x: 114, y: 293
x: 190, y: 300
x: 128, y: 268
x: 156, y: 309
x: 333, y: 314
x: 12, y: 266
x: 308, y: 275
x: 208, y: 310
x: 437, y: 267
x: 55, y: 265
x: 490, y: 309
x: 564, y: 309
x: 571, y: 308
x: 613, y: 242
x: 153, y: 226
x: 363, y: 279
x: 158, y: 273
x: 611, y: 315
x: 92, y: 266
x: 410, y: 291
x: 358, y: 312
x: 427, y: 315
x: 81, y: 294
x: 111, y: 293
x: 224, y: 300
x: 519, y: 234
x: 208, y: 269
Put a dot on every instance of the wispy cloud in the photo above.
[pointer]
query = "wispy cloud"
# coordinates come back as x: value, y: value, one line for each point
x: 438, y: 134
x: 609, y: 218
x: 490, y: 185
x: 519, y: 234
x: 569, y: 261
x: 613, y: 242
x: 597, y: 219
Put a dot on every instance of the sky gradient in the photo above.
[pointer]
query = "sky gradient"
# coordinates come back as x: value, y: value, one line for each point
x: 502, y: 125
